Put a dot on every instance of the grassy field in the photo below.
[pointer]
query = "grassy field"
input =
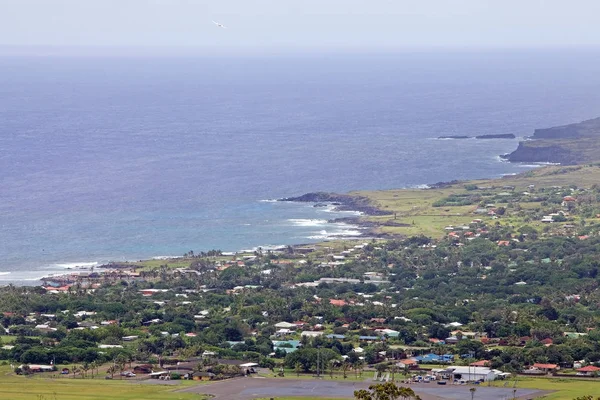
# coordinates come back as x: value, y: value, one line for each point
x: 564, y: 389
x: 38, y: 387
x: 7, y: 339
x: 300, y: 398
x: 415, y: 213
x: 337, y: 376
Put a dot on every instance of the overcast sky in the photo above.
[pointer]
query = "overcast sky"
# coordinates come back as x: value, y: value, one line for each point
x: 302, y: 23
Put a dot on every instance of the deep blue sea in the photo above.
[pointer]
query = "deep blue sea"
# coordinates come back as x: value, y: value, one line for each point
x: 126, y: 157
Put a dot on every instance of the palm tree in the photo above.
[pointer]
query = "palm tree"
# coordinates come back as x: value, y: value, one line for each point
x: 345, y: 367
x: 472, y: 390
x: 112, y: 370
x: 85, y: 367
x: 394, y: 369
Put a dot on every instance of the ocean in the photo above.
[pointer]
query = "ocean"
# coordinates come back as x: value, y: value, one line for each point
x: 116, y: 157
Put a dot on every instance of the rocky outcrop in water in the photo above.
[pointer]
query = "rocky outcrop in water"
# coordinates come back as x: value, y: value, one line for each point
x: 498, y: 136
x: 345, y: 202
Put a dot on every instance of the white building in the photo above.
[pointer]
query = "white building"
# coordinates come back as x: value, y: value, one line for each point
x: 469, y: 373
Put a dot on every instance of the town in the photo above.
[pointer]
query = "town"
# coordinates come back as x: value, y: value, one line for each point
x: 504, y: 296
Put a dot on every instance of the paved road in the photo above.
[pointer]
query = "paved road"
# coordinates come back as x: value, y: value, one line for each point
x: 252, y: 388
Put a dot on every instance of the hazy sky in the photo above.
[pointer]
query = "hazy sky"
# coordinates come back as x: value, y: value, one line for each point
x: 301, y: 23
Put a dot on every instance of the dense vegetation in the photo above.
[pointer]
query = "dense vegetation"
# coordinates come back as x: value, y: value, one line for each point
x: 505, y: 288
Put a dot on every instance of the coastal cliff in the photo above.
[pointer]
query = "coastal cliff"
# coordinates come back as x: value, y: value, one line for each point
x: 568, y: 144
x: 588, y: 128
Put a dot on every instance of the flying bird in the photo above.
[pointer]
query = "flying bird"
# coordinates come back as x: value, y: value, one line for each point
x: 219, y: 25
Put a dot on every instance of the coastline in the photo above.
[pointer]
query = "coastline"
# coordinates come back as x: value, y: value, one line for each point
x: 370, y: 219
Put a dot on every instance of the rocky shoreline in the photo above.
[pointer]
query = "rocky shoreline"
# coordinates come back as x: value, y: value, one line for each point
x: 347, y: 202
x: 342, y: 202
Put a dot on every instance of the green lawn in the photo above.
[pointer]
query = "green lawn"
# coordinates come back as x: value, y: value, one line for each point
x: 7, y: 339
x: 565, y: 389
x: 38, y: 387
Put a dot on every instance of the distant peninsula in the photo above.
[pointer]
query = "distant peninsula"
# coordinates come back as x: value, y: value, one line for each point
x: 496, y: 136
x: 568, y: 144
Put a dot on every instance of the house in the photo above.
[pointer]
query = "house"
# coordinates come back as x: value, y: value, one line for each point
x: 337, y: 303
x: 368, y: 338
x: 407, y: 363
x: 203, y: 376
x: 311, y: 333
x: 590, y: 370
x: 470, y: 334
x: 434, y: 358
x: 452, y: 339
x: 335, y: 336
x: 285, y: 325
x: 129, y: 338
x: 44, y: 328
x: 289, y: 346
x: 283, y: 332
x: 542, y: 368
x: 388, y: 332
x: 481, y: 363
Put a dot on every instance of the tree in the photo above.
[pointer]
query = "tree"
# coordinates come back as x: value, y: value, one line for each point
x: 472, y: 390
x: 386, y: 391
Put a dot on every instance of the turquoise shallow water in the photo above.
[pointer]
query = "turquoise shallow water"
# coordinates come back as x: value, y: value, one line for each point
x: 114, y: 158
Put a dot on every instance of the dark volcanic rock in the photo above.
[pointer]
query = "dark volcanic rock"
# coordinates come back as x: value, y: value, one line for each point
x: 567, y: 144
x: 347, y: 202
x: 499, y: 136
x: 454, y: 137
x: 548, y: 153
x: 441, y: 185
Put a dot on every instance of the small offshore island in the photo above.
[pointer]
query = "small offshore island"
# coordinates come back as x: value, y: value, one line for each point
x: 459, y: 284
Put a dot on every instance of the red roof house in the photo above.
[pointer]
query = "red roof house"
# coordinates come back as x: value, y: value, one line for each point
x: 337, y: 303
x: 480, y: 363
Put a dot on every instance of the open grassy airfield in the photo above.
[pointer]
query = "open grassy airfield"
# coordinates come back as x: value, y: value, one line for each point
x: 43, y: 387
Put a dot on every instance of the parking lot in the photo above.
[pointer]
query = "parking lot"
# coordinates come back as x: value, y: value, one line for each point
x: 251, y: 388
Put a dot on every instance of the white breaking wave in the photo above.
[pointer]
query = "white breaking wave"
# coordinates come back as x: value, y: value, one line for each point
x: 77, y: 264
x: 269, y: 201
x: 165, y: 257
x: 308, y: 222
x: 347, y: 231
x: 4, y: 273
x: 266, y: 247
